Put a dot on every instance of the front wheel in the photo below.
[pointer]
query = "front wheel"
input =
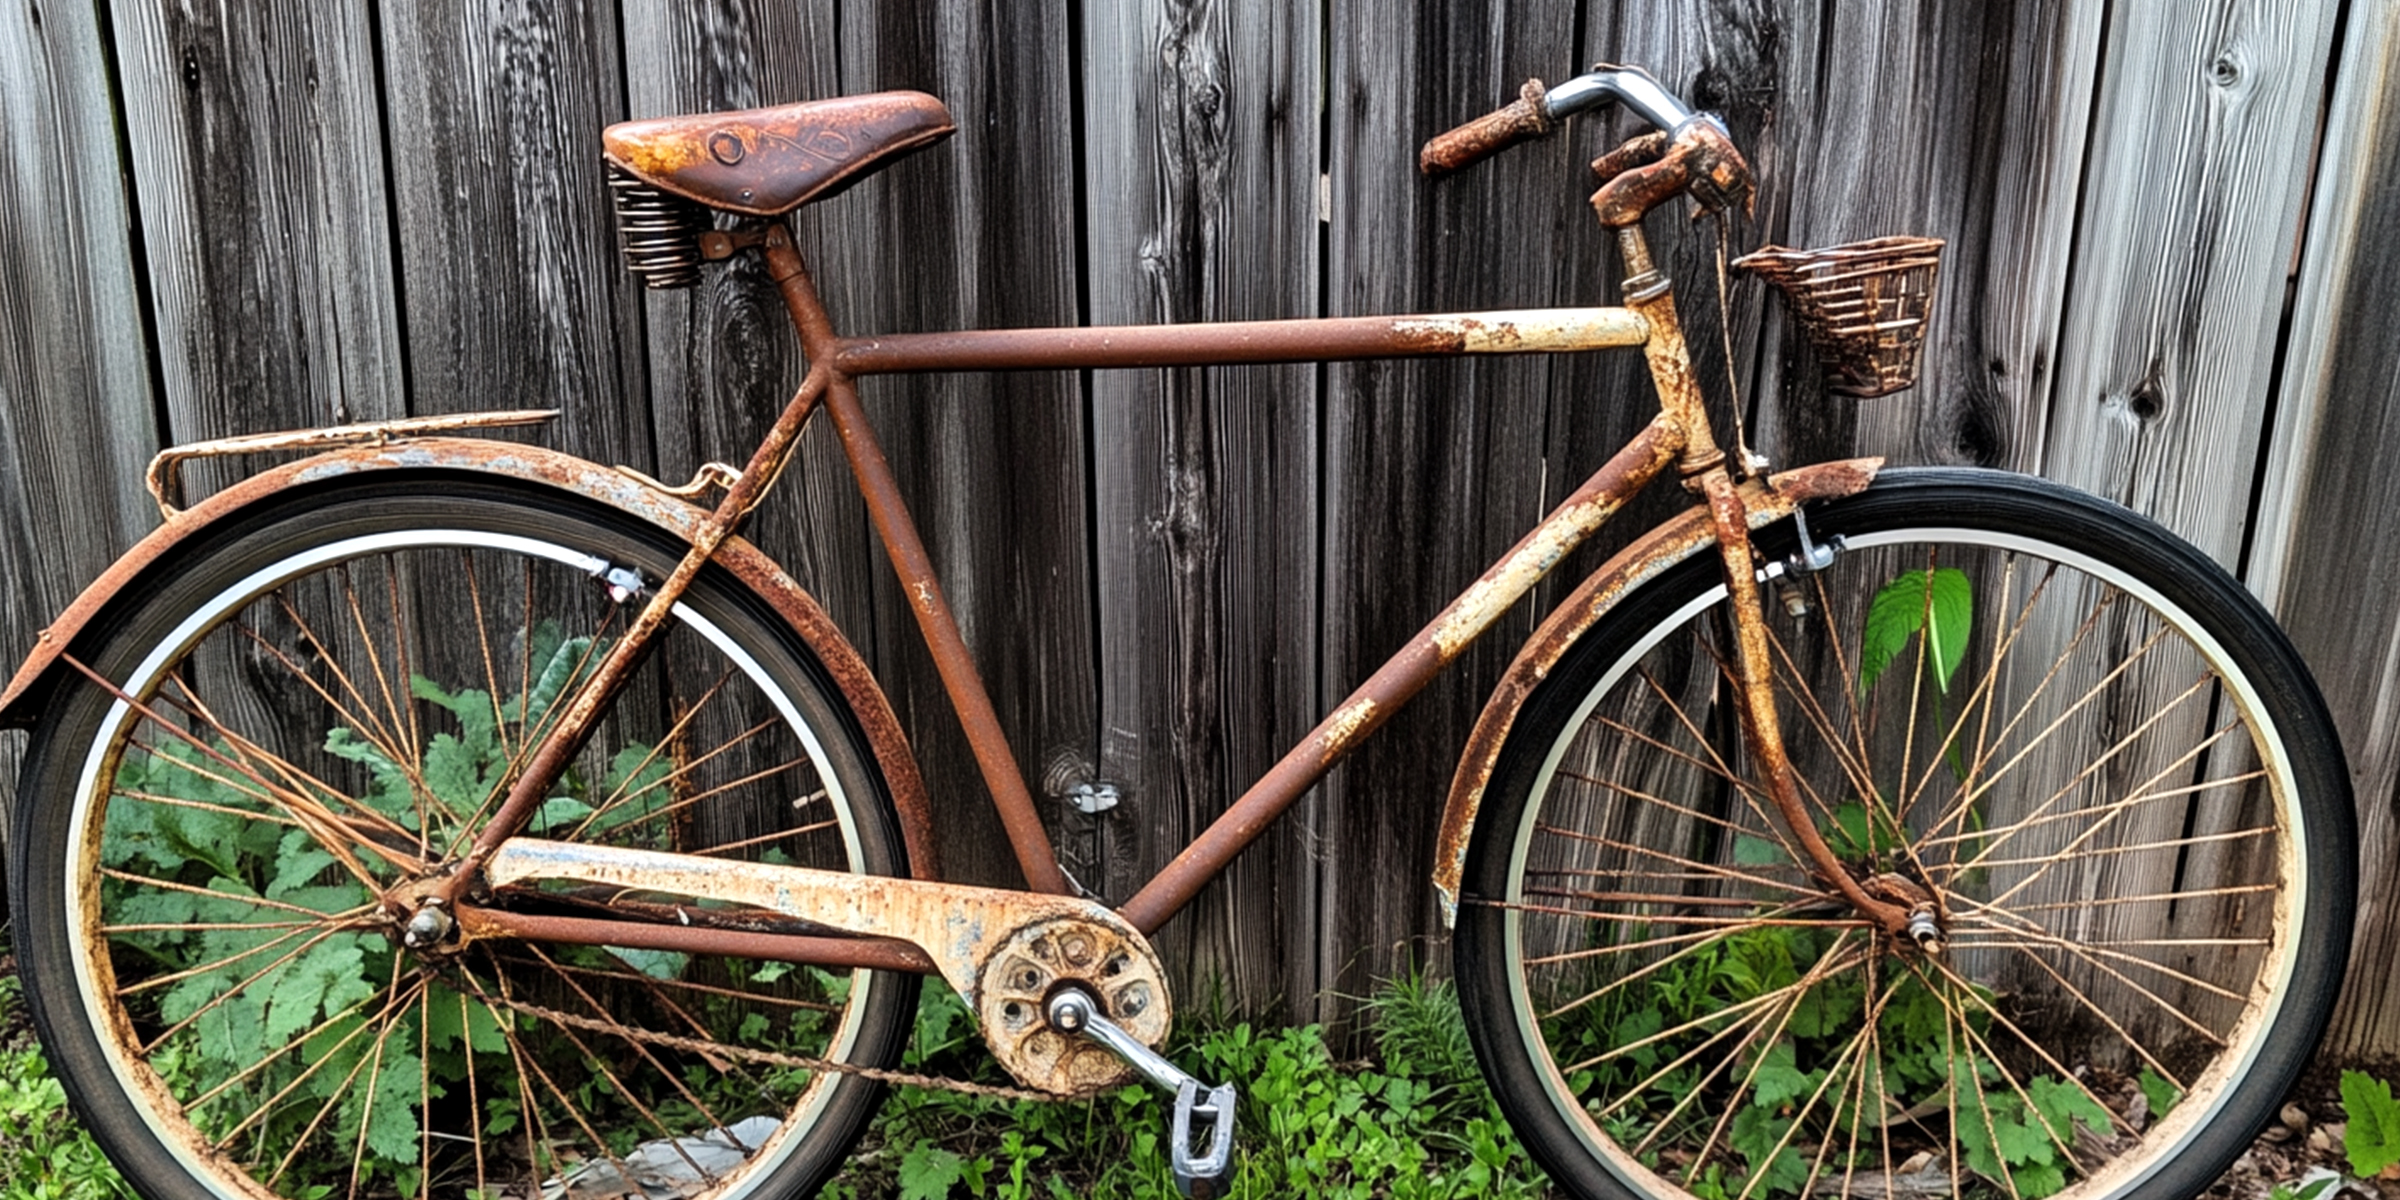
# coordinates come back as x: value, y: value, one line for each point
x: 2077, y: 743
x: 315, y: 704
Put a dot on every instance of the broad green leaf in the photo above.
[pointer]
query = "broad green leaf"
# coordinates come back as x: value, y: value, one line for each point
x: 2160, y: 1094
x: 2039, y: 1179
x: 2373, y: 1141
x: 392, y: 1123
x: 1943, y: 607
x: 1778, y: 1080
x: 1751, y: 851
x: 657, y: 964
x: 456, y: 773
x: 927, y: 1172
x: 567, y: 662
x: 2062, y: 1103
x: 559, y: 814
x: 298, y: 861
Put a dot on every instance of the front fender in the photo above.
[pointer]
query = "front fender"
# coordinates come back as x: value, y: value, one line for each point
x: 35, y: 681
x: 1681, y: 537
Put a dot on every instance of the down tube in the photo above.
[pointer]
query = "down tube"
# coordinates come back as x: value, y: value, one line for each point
x: 1406, y: 673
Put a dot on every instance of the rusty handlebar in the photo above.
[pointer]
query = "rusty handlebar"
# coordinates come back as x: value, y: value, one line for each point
x: 1689, y: 152
x: 1525, y: 118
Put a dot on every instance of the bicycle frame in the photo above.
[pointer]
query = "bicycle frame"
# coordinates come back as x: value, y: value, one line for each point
x: 1679, y: 436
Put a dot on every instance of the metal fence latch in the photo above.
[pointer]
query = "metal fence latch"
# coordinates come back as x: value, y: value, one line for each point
x: 1092, y: 797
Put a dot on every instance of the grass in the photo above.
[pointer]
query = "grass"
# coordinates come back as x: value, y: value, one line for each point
x: 44, y: 1152
x: 1414, y: 1122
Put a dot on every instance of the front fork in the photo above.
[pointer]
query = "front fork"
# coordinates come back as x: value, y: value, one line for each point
x: 1706, y: 471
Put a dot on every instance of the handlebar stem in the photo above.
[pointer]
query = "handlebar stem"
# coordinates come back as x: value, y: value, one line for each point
x: 1632, y: 87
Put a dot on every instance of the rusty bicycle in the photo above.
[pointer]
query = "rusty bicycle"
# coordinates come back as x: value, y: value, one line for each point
x: 436, y: 816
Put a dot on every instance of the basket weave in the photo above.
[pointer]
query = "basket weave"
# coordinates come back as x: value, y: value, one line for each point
x: 1864, y: 305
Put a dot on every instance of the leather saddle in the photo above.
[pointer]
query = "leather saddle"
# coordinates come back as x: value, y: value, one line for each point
x: 769, y: 161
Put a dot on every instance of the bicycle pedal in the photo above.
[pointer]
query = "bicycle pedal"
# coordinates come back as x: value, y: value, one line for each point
x: 1201, y: 1175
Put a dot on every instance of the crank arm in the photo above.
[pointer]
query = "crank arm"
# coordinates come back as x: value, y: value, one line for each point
x: 1199, y: 1169
x: 958, y: 927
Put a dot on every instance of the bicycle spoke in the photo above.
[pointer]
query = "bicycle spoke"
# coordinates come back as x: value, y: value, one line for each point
x: 626, y: 1094
x: 1752, y: 796
x: 667, y: 739
x: 763, y: 838
x: 2036, y: 1047
x: 1969, y: 796
x: 676, y: 1081
x: 1701, y: 941
x: 491, y: 671
x: 2109, y: 812
x: 1707, y: 870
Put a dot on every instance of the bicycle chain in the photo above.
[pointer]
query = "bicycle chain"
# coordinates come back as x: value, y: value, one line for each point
x: 778, y: 1059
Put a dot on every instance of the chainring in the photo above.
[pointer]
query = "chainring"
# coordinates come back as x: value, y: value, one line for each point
x: 1115, y: 966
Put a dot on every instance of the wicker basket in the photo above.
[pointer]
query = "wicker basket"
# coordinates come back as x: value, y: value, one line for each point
x: 1864, y: 306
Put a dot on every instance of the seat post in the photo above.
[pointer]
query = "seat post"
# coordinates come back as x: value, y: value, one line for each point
x: 790, y: 273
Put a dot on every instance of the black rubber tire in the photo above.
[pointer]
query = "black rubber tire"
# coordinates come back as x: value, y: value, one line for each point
x: 1499, y: 1006
x: 54, y: 847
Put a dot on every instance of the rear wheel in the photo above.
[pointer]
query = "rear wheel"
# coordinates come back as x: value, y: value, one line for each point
x: 321, y: 698
x: 2070, y: 734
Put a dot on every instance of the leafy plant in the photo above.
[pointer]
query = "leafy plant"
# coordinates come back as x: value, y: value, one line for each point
x: 273, y: 1035
x: 2373, y: 1140
x: 1939, y: 604
x: 1414, y: 1123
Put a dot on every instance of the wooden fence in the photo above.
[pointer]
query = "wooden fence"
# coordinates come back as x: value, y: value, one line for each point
x: 2168, y: 282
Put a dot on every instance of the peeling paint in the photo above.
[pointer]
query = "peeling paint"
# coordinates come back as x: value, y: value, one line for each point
x: 1520, y: 331
x: 1650, y: 555
x: 1344, y: 725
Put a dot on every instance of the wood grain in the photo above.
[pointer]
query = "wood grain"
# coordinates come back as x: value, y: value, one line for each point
x: 514, y: 294
x: 1416, y: 500
x: 2330, y: 505
x: 974, y: 232
x: 77, y: 419
x: 1200, y: 160
x: 255, y: 142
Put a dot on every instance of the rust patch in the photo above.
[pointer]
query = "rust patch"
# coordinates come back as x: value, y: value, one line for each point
x: 1328, y: 339
x: 1533, y: 330
x: 1525, y: 117
x: 1374, y: 701
x: 1650, y: 555
x: 1002, y: 950
x: 21, y: 704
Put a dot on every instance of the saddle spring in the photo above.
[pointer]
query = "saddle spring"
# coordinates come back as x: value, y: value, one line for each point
x: 661, y: 233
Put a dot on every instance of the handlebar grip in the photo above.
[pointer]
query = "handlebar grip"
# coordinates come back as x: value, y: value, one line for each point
x: 1524, y: 119
x: 1637, y: 152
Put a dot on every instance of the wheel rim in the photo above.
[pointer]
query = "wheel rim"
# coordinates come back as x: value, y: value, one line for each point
x: 561, y: 1066
x: 2009, y: 919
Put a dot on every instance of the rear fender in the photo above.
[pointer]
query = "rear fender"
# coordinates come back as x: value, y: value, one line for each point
x: 37, y: 680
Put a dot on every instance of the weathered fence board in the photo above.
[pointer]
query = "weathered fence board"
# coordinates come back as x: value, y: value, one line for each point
x: 257, y: 156
x: 512, y: 291
x: 1200, y: 160
x: 993, y: 463
x: 76, y: 413
x: 354, y: 211
x: 2328, y: 541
